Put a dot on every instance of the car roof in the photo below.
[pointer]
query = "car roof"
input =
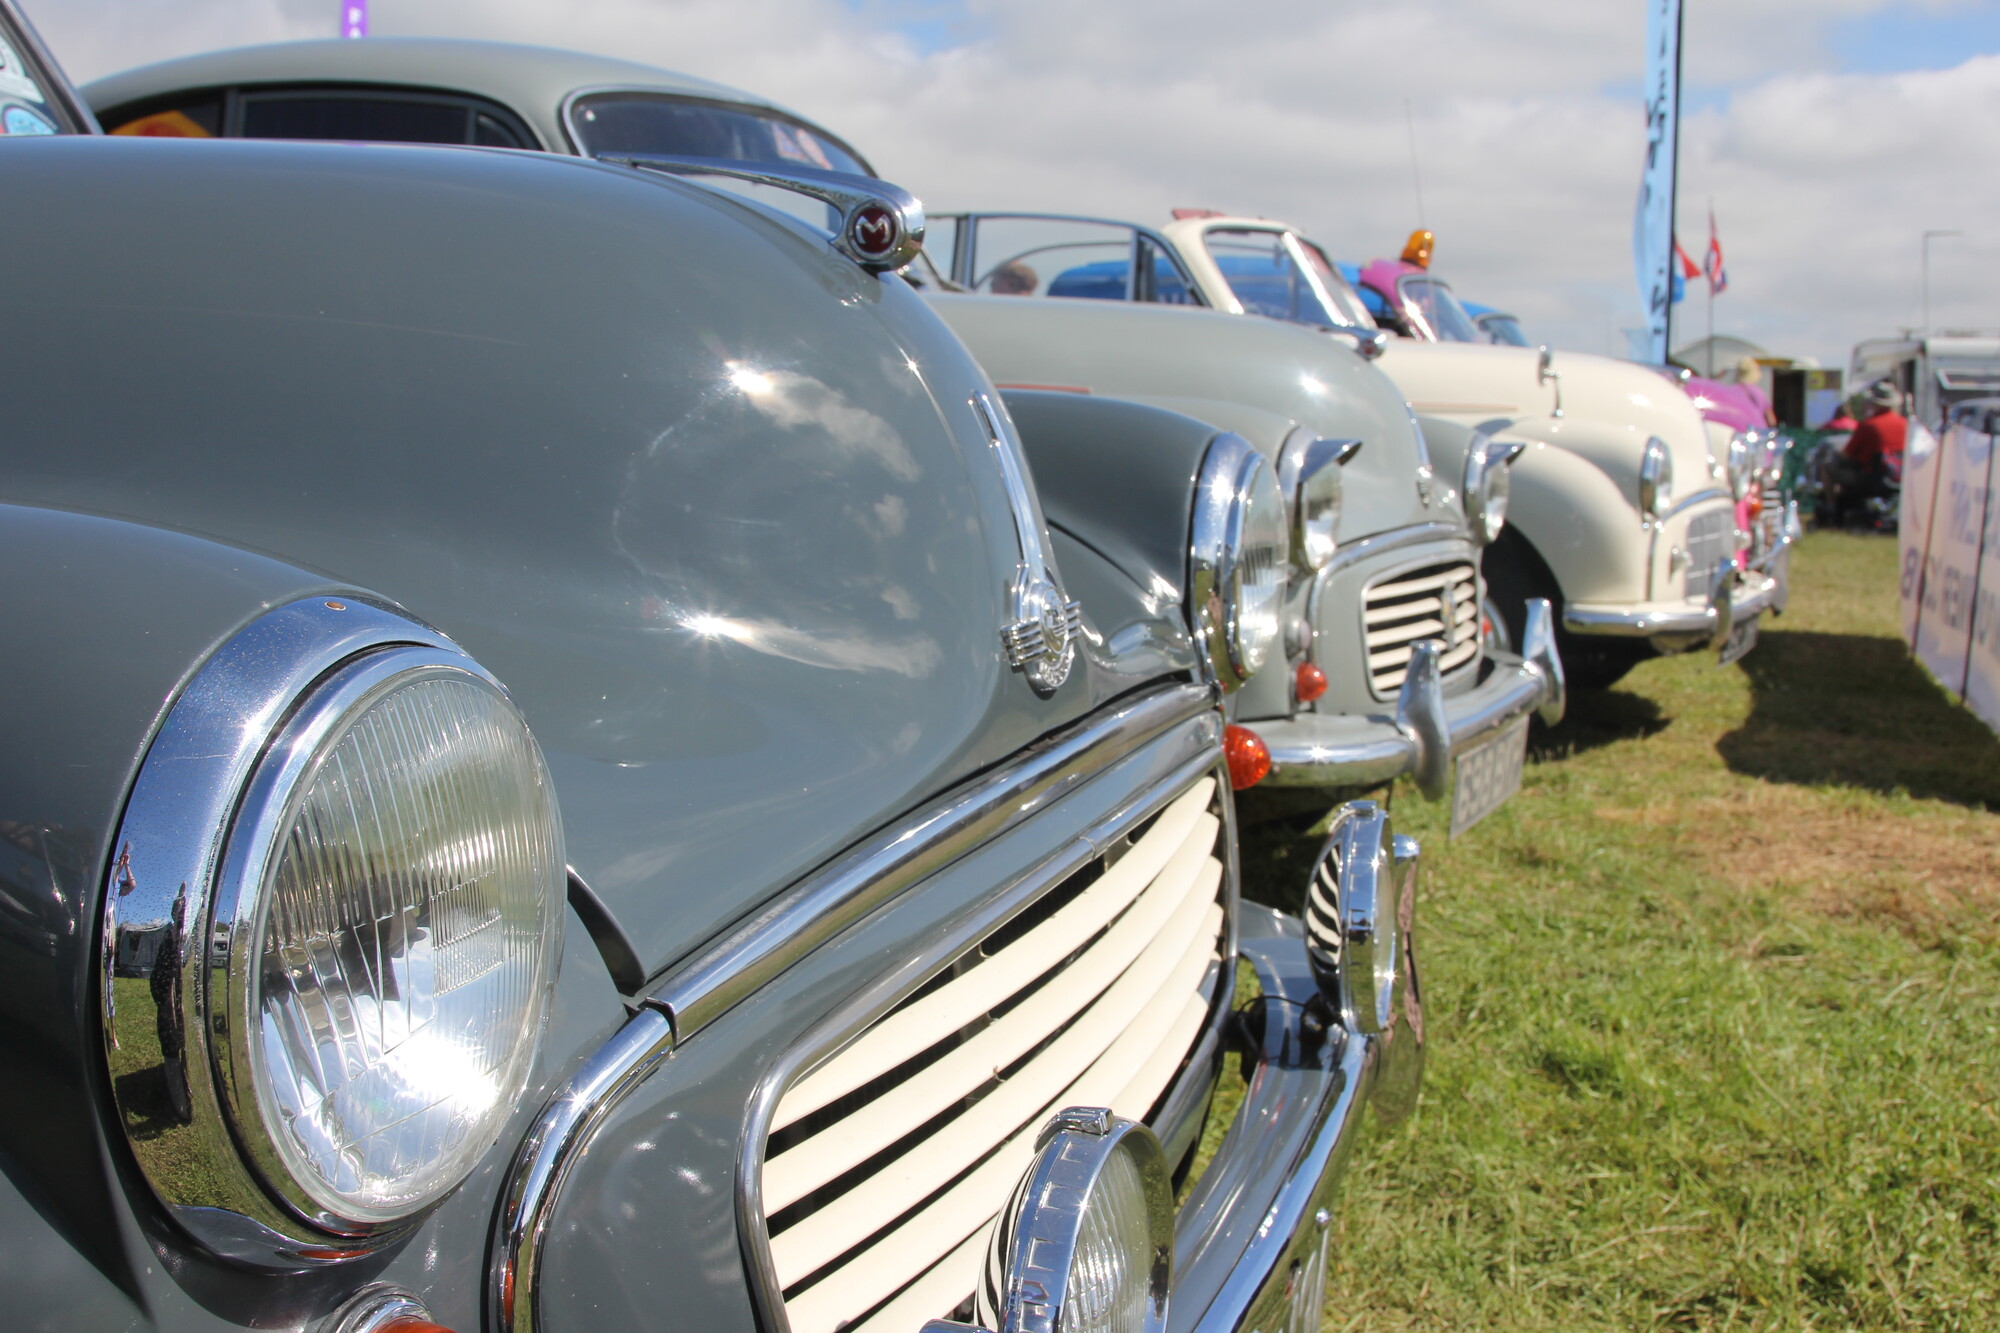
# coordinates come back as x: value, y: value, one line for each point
x: 530, y: 80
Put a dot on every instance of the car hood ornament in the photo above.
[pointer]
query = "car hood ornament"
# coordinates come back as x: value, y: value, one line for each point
x: 1040, y: 642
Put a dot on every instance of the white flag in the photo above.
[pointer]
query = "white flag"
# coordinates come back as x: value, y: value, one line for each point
x: 1653, y: 221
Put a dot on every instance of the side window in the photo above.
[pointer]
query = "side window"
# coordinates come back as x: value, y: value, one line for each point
x: 1022, y: 256
x: 372, y: 119
x: 355, y: 115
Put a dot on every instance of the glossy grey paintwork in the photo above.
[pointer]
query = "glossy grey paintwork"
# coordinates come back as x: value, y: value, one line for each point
x: 509, y: 393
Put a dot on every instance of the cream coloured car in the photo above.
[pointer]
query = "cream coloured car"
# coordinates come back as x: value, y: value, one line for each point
x: 1622, y: 512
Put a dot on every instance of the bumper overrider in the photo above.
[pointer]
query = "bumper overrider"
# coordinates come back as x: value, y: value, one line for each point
x: 1429, y: 727
x: 1338, y: 1029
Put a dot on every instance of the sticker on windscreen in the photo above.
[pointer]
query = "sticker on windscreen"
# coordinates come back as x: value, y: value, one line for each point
x: 15, y: 81
x: 20, y: 120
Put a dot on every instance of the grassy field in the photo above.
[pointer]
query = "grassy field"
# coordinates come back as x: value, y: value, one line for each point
x: 1713, y: 1004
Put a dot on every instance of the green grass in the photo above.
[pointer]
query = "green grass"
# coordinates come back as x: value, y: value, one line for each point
x: 1713, y: 1006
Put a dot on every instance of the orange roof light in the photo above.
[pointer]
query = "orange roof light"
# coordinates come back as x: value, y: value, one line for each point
x: 1417, y: 250
x: 1249, y: 758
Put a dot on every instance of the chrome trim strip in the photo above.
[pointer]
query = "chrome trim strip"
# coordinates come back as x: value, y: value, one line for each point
x: 882, y: 994
x: 1416, y: 535
x: 542, y: 1163
x: 159, y: 901
x: 804, y: 918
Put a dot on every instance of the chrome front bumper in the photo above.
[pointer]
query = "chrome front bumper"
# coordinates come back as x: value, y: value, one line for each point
x: 1250, y: 1242
x: 1428, y: 728
x: 1677, y: 627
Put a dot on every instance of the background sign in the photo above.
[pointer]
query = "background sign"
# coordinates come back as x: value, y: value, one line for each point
x: 1950, y: 536
x: 1653, y: 221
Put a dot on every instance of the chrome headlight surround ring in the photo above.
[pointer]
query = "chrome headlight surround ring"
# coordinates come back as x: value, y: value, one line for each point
x: 1309, y: 479
x: 1031, y: 1278
x: 1741, y: 467
x: 1656, y: 480
x: 159, y: 920
x: 1236, y: 494
x: 1487, y: 483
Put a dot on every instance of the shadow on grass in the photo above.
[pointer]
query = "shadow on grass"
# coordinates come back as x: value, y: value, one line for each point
x: 1854, y: 710
x: 1596, y: 718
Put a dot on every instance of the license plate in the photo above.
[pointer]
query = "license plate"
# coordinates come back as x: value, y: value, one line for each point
x: 1742, y: 638
x: 1487, y: 776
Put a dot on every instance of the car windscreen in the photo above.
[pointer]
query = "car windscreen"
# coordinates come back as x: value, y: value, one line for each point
x: 638, y: 122
x: 27, y: 106
x: 1439, y: 309
x: 1262, y: 274
x: 1347, y: 303
x: 1504, y: 330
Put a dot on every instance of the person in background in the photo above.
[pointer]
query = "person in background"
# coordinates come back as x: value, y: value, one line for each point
x: 1873, y: 454
x: 1750, y: 378
x: 1014, y: 278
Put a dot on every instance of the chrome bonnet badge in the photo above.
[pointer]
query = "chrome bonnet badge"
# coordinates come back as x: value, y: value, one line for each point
x: 1040, y: 642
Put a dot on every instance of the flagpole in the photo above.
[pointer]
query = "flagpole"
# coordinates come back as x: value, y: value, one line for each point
x: 1711, y: 287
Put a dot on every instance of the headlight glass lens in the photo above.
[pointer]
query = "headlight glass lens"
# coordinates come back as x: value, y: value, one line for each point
x: 1739, y: 465
x: 407, y: 941
x: 1318, y: 518
x: 1111, y: 1272
x: 1259, y: 575
x: 1656, y: 479
x: 1487, y: 483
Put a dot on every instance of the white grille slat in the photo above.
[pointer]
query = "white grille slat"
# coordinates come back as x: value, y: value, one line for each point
x: 962, y: 1000
x: 956, y: 1276
x: 1411, y: 608
x: 1710, y: 539
x: 1176, y: 890
x: 919, y: 1241
x: 815, y: 1240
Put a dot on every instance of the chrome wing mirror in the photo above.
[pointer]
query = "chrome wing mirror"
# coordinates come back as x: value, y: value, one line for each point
x: 881, y: 226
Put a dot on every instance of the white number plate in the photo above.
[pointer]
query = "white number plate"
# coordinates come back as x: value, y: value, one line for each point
x: 1742, y: 638
x: 1487, y: 776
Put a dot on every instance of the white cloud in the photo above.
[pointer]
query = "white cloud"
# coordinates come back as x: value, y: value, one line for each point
x: 1293, y: 108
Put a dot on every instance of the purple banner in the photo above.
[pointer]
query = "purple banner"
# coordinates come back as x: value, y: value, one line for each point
x: 354, y: 18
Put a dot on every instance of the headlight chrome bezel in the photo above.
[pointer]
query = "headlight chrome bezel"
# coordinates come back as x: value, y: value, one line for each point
x: 1309, y: 479
x: 215, y: 783
x: 1741, y: 466
x: 1487, y: 483
x: 1656, y: 480
x: 1236, y: 492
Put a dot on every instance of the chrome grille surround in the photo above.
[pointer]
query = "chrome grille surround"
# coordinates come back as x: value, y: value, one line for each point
x: 1437, y: 600
x: 1711, y: 538
x: 880, y: 1148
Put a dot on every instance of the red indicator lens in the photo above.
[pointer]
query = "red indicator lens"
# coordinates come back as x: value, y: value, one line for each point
x: 1308, y: 683
x: 1249, y: 758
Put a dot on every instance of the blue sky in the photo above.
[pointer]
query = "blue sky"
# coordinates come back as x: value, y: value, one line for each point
x: 1906, y: 37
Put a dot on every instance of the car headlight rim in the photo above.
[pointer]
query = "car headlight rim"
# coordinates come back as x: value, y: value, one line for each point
x: 1656, y: 480
x: 1740, y: 467
x: 256, y: 856
x: 163, y: 995
x: 1310, y: 475
x: 1237, y: 560
x: 1487, y: 485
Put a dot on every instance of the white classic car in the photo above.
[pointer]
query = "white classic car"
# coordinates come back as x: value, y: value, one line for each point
x: 1623, y: 511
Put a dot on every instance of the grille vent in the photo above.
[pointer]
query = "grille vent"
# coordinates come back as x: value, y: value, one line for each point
x: 887, y: 1163
x: 1433, y: 602
x: 1710, y: 539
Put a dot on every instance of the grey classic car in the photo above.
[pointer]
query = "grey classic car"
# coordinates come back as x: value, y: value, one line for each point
x: 560, y: 777
x: 1357, y: 696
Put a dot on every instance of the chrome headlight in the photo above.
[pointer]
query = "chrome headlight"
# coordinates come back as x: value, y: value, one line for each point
x: 1656, y: 479
x: 1309, y: 477
x: 1237, y: 574
x: 1487, y: 483
x: 1741, y: 466
x: 350, y: 982
x: 1087, y: 1243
